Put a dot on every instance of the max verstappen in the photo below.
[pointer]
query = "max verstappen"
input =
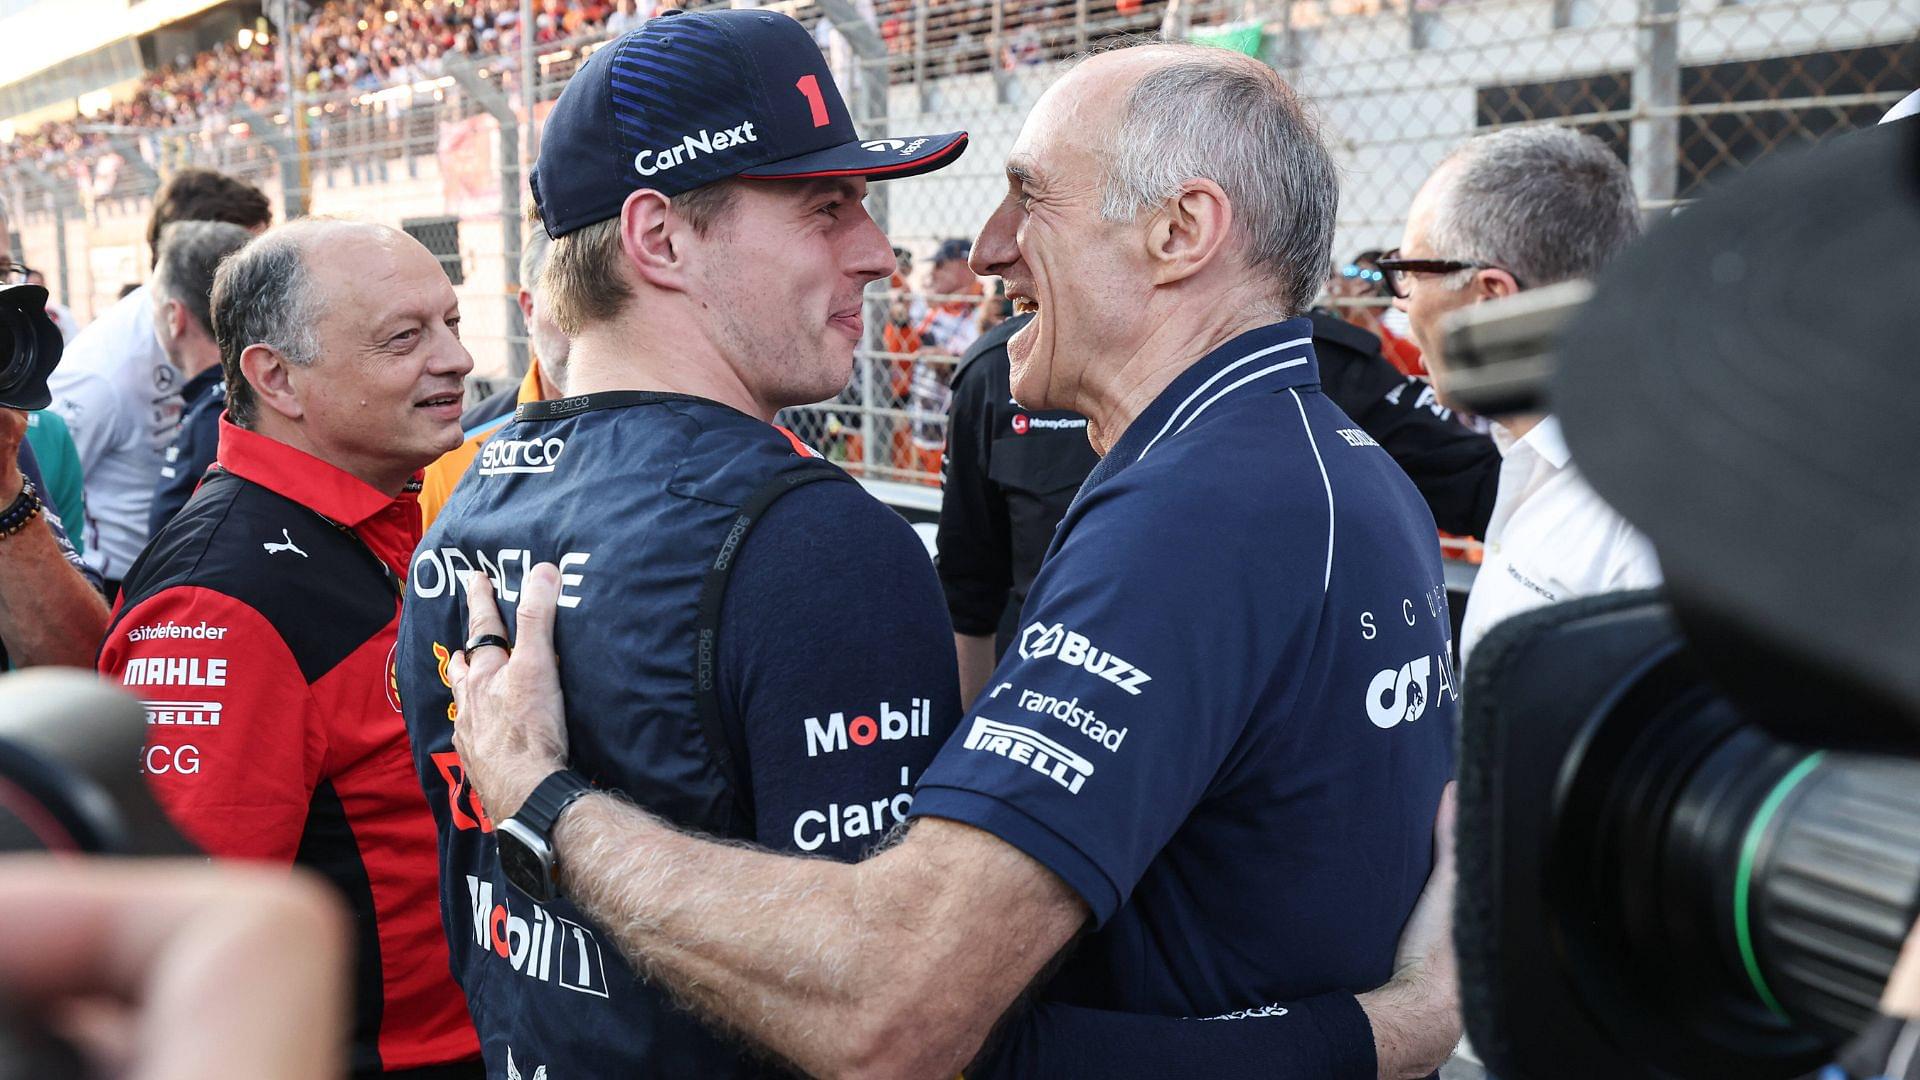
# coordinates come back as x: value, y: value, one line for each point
x: 259, y: 624
x: 702, y: 182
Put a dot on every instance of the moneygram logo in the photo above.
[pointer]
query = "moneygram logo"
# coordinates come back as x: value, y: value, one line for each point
x: 1041, y: 640
x: 1398, y: 694
x: 500, y: 457
x: 837, y: 732
x: 1032, y: 749
x: 541, y: 946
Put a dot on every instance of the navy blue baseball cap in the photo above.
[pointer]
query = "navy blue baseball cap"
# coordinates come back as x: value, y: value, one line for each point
x: 695, y: 97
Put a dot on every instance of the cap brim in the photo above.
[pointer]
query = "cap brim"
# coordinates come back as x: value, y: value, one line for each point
x: 875, y: 159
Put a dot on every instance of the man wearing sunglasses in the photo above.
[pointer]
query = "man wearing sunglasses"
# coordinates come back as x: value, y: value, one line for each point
x: 1504, y: 212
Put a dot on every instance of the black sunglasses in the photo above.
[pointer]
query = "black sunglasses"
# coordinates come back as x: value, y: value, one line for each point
x: 1395, y: 269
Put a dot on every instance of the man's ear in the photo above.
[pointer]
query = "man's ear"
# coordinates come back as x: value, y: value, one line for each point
x: 273, y: 380
x: 655, y: 239
x: 1189, y: 231
x: 526, y: 305
x: 1494, y: 283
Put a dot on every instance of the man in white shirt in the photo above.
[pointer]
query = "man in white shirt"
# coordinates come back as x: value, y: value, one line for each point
x: 1504, y: 212
x: 118, y: 393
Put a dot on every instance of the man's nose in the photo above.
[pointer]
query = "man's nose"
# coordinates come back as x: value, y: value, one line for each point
x: 998, y: 244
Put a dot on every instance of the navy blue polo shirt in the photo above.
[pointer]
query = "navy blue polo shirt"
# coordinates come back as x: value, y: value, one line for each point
x: 1230, y: 711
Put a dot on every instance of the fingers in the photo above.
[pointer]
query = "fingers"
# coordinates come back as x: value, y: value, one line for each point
x: 483, y: 616
x: 539, y: 599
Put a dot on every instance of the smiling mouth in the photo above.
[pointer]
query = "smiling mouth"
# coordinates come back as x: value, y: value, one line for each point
x: 1023, y: 304
x: 437, y: 400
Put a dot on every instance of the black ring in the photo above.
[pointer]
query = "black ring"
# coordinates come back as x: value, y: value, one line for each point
x: 481, y: 641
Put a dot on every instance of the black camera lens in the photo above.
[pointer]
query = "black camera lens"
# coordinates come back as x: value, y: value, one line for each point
x: 30, y: 346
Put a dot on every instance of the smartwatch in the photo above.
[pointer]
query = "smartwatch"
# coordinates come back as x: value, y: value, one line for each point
x: 526, y: 838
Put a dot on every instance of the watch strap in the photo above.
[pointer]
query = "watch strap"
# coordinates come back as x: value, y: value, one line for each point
x: 549, y: 798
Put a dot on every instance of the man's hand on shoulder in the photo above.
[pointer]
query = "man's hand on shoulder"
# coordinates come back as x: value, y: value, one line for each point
x: 510, y: 725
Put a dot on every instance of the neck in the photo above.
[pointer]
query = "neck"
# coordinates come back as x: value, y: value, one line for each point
x: 1114, y: 395
x: 1519, y: 425
x: 631, y: 352
x: 383, y: 476
x: 196, y: 357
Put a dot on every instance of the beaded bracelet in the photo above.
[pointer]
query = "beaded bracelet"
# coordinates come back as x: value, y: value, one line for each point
x: 24, y: 508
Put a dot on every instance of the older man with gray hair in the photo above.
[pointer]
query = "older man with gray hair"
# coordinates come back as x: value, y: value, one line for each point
x: 182, y: 295
x: 260, y: 623
x: 1215, y: 757
x: 1504, y: 212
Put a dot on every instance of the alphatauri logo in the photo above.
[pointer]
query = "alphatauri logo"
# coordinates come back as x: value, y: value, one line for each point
x: 1398, y: 694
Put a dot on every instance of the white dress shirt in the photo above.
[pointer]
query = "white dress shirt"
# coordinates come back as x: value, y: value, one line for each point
x: 1551, y: 537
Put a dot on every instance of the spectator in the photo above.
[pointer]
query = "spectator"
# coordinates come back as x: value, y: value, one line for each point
x: 546, y: 374
x: 62, y: 316
x: 119, y: 395
x: 627, y: 16
x: 272, y: 601
x: 698, y: 305
x: 1211, y: 789
x: 1358, y: 293
x: 947, y: 327
x: 182, y: 291
x: 1504, y: 212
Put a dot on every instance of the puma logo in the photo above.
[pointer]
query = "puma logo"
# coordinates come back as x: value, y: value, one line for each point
x: 275, y: 549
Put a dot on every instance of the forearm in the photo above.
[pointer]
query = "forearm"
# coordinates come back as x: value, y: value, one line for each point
x: 49, y: 614
x: 1414, y: 1030
x: 976, y: 665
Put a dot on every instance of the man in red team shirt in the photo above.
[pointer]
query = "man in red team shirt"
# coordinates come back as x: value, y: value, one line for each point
x: 259, y: 624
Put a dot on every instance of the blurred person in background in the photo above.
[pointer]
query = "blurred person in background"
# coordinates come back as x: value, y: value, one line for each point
x: 51, y: 610
x: 948, y: 326
x: 62, y: 316
x: 118, y: 393
x: 259, y: 626
x: 1505, y: 212
x: 547, y: 346
x: 182, y: 294
x: 1357, y: 292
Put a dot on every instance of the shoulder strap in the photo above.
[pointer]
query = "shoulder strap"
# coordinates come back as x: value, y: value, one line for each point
x: 713, y: 594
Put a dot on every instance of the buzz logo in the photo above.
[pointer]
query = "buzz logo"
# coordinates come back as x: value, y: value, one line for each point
x: 650, y: 162
x: 837, y: 732
x: 1040, y: 640
x: 544, y: 946
x: 1407, y: 686
x: 1032, y: 749
x: 501, y: 457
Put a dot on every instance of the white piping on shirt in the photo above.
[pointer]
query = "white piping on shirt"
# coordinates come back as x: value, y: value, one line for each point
x: 1326, y: 583
x: 1216, y: 377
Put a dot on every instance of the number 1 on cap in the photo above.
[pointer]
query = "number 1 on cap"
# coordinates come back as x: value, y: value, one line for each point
x: 809, y: 87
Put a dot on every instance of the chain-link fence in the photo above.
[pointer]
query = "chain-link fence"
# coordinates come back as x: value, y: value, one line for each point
x: 1687, y: 91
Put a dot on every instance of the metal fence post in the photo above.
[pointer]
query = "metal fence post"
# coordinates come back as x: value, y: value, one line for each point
x: 1654, y: 144
x: 292, y: 196
x: 501, y: 109
x: 59, y: 197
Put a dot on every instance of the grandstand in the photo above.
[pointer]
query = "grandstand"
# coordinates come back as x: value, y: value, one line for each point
x: 423, y: 113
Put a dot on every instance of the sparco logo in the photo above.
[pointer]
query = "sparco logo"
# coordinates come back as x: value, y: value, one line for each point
x: 1039, y: 640
x: 649, y: 162
x: 1032, y: 749
x: 502, y: 456
x: 864, y: 730
x: 544, y: 947
x: 1398, y: 694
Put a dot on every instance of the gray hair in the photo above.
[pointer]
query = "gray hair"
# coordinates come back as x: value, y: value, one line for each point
x: 190, y: 252
x: 1209, y: 115
x: 263, y: 295
x: 1547, y: 204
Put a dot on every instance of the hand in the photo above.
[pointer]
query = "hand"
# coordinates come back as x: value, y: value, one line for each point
x: 1416, y: 1015
x: 510, y: 724
x: 176, y: 969
x: 13, y: 431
